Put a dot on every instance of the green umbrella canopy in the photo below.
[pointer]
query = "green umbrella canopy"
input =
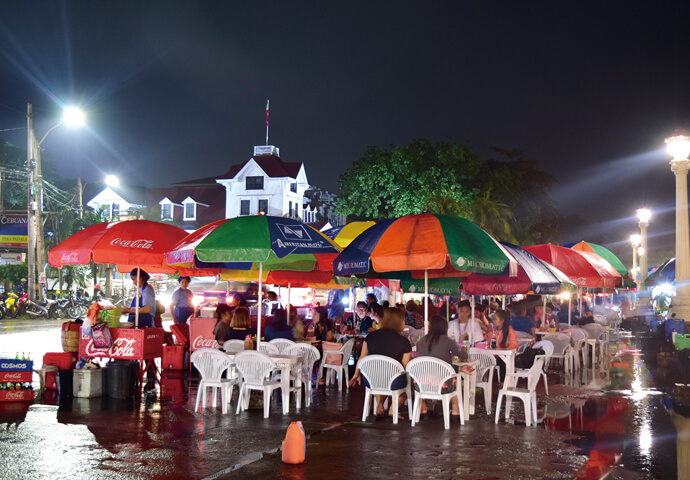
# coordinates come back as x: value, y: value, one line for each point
x: 604, y: 253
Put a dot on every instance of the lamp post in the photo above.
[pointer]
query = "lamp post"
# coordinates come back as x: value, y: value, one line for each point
x: 635, y: 240
x: 679, y: 148
x: 643, y: 215
x: 36, y: 255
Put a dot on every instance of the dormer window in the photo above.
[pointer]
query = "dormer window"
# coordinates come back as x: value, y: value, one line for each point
x: 166, y: 211
x: 293, y: 187
x: 189, y: 210
x: 255, y: 183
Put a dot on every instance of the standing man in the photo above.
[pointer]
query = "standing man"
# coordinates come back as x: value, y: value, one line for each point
x: 182, y: 302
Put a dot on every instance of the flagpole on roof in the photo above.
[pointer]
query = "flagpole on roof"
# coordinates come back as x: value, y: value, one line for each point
x: 266, y: 122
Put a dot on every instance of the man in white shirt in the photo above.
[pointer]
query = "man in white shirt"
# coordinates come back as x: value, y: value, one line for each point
x: 464, y: 324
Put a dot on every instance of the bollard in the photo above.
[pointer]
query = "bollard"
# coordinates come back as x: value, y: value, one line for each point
x: 295, y: 444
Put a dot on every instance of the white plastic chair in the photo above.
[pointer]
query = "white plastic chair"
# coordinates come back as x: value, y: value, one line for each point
x: 380, y: 371
x: 598, y: 337
x: 310, y: 354
x: 255, y: 370
x: 340, y: 368
x: 268, y: 348
x: 212, y: 363
x: 430, y: 375
x: 547, y: 346
x: 579, y: 341
x: 561, y: 349
x: 415, y: 335
x: 282, y: 344
x: 527, y: 395
x: 485, y: 373
x: 233, y: 346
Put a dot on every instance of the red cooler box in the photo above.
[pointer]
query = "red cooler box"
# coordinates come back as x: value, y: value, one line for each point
x: 173, y: 357
x: 181, y: 332
x: 62, y: 360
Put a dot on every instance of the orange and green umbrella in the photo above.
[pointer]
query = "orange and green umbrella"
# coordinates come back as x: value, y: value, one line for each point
x: 603, y: 252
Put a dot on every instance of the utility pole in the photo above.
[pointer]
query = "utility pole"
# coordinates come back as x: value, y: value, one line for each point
x: 81, y: 199
x: 30, y: 202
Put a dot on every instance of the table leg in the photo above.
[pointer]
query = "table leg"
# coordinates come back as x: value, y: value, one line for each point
x: 473, y: 390
x: 285, y: 387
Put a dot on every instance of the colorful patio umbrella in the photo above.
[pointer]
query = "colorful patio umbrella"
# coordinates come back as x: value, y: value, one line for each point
x: 666, y: 273
x: 275, y: 243
x: 344, y: 235
x: 603, y: 252
x: 422, y: 243
x: 141, y: 243
x: 585, y: 269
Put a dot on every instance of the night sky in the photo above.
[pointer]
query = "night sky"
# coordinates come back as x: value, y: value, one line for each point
x: 177, y: 90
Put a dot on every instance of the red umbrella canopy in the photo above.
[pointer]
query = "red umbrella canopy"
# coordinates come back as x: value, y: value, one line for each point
x: 585, y: 269
x: 128, y: 242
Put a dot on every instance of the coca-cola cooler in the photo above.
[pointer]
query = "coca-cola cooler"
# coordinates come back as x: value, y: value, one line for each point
x: 16, y: 376
x: 60, y: 360
x: 173, y: 357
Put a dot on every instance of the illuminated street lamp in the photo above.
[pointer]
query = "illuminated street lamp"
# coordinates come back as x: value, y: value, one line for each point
x: 679, y: 148
x: 635, y: 240
x: 643, y: 215
x: 74, y: 117
x: 112, y: 181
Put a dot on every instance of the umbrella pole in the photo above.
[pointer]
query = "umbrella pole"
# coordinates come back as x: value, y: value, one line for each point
x: 503, y: 303
x: 288, y: 302
x: 426, y: 301
x: 470, y: 323
x: 258, y: 321
x: 570, y: 310
x: 543, y: 312
x: 448, y: 307
x: 579, y: 300
x: 136, y: 301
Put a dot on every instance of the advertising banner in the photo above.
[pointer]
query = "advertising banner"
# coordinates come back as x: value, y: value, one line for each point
x: 14, y: 231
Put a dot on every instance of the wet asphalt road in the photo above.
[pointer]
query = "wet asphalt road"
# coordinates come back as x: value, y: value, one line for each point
x: 624, y: 432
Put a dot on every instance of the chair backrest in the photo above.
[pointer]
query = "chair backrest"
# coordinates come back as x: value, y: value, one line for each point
x: 577, y: 334
x: 594, y: 330
x: 346, y: 350
x: 560, y: 342
x: 211, y: 363
x: 545, y: 345
x: 233, y: 346
x: 282, y: 343
x: 380, y: 371
x: 535, y: 373
x: 254, y: 366
x: 430, y: 374
x: 268, y: 348
x: 521, y: 334
x: 416, y: 336
x: 309, y: 353
x: 486, y: 362
x: 601, y: 319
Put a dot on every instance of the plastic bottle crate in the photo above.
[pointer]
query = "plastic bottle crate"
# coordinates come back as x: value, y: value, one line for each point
x: 682, y: 341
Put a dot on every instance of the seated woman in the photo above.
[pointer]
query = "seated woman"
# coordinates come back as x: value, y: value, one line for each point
x: 439, y: 345
x: 323, y: 326
x: 224, y: 316
x: 506, y: 338
x: 240, y: 326
x: 279, y: 328
x: 375, y: 316
x: 388, y: 341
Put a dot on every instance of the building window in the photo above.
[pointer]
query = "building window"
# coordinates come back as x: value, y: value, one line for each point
x: 263, y: 206
x: 255, y: 183
x: 293, y: 187
x: 190, y: 211
x: 296, y: 210
x: 290, y: 209
x: 115, y: 210
x: 244, y: 207
x: 166, y: 211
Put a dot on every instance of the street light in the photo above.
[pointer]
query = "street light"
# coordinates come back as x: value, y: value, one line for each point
x: 643, y: 215
x: 679, y: 148
x: 635, y: 240
x: 72, y: 116
x: 112, y: 181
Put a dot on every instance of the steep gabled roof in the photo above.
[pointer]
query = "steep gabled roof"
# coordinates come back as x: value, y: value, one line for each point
x: 272, y: 165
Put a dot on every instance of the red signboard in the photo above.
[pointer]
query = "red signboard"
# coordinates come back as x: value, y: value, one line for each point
x: 14, y: 377
x: 201, y: 333
x: 128, y: 344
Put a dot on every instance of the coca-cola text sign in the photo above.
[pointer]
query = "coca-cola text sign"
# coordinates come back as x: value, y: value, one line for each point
x: 201, y: 333
x: 128, y: 344
x: 139, y: 243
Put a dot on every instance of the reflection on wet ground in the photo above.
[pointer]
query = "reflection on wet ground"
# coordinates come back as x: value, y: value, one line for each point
x: 617, y: 421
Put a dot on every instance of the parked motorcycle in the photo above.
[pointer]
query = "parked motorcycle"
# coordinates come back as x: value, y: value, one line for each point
x: 31, y: 308
x: 10, y: 303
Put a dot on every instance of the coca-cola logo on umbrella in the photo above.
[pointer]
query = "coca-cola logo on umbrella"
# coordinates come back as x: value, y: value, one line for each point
x: 140, y: 243
x: 72, y: 257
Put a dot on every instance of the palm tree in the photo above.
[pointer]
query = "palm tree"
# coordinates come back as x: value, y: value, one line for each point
x: 493, y: 216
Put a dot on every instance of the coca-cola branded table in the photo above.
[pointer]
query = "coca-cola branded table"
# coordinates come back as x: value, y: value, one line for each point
x: 143, y: 345
x: 201, y: 333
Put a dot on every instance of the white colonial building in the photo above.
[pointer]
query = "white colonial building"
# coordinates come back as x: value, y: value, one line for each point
x: 265, y: 184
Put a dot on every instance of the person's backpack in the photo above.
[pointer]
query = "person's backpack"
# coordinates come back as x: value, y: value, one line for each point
x: 525, y: 360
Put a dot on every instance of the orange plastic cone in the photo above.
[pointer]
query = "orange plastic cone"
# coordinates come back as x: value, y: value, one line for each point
x: 295, y: 444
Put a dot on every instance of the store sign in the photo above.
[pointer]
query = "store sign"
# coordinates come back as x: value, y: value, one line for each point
x: 14, y: 231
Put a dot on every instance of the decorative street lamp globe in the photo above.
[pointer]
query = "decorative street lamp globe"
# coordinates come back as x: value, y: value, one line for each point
x: 74, y: 116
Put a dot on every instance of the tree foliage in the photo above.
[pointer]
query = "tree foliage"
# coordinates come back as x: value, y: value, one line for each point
x: 509, y: 199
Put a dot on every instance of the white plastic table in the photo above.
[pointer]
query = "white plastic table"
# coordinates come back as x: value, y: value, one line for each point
x: 469, y: 384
